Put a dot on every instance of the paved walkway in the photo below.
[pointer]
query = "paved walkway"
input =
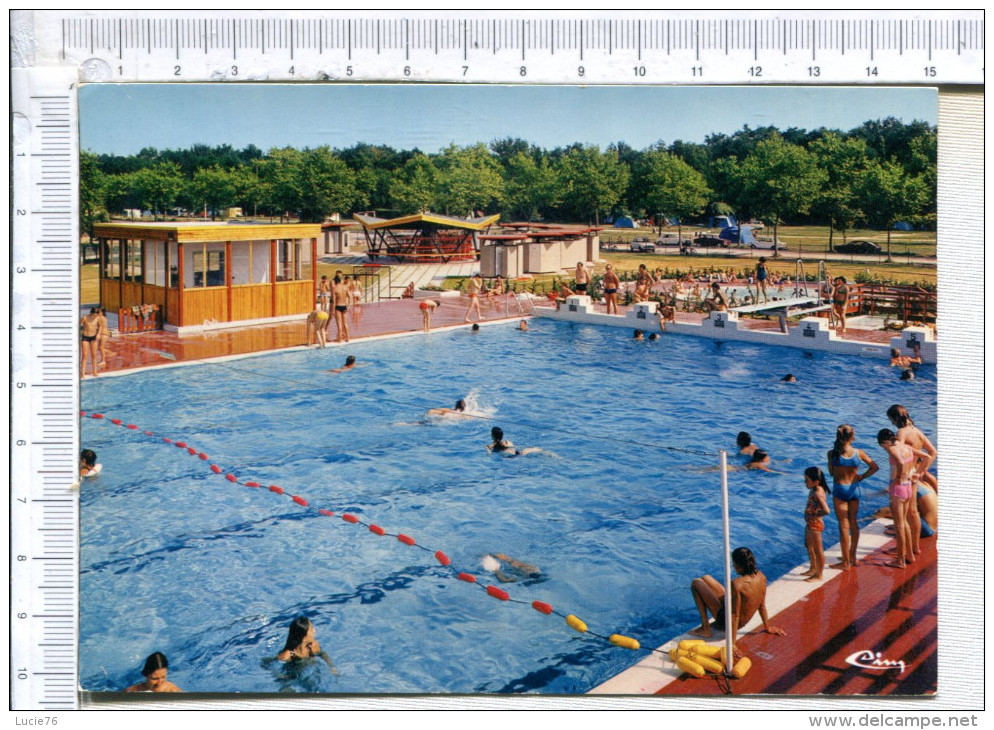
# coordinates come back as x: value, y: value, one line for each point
x: 368, y: 320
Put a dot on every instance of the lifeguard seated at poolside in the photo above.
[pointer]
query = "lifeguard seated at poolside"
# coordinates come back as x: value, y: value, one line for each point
x: 748, y: 597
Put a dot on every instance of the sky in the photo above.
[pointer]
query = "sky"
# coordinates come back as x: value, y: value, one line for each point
x: 124, y: 118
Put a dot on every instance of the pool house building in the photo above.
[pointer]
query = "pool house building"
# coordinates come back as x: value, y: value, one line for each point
x: 217, y: 274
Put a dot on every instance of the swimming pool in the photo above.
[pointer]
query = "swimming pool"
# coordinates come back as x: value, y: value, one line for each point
x: 175, y: 558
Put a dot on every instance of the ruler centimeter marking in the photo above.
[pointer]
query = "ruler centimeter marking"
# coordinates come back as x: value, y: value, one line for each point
x: 747, y: 47
x: 883, y: 47
x: 44, y: 393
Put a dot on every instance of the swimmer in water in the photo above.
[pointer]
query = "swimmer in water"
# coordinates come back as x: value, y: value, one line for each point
x: 638, y: 335
x: 88, y: 466
x: 155, y: 672
x: 496, y: 562
x: 745, y: 444
x: 457, y: 410
x: 349, y: 364
x: 788, y: 378
x: 502, y: 445
x: 301, y: 643
x: 760, y: 460
x: 905, y: 361
x: 523, y: 325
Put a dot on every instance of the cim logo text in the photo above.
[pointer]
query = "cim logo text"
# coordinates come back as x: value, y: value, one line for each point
x: 866, y: 659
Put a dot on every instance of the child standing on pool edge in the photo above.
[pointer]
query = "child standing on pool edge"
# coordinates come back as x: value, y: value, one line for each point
x: 814, y: 526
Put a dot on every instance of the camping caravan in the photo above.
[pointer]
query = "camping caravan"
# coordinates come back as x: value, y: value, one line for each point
x: 739, y: 235
x: 722, y: 221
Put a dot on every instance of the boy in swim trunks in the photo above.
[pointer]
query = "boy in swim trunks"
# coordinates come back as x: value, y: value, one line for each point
x: 611, y: 285
x: 90, y: 329
x: 341, y: 296
x: 582, y: 278
x: 748, y: 597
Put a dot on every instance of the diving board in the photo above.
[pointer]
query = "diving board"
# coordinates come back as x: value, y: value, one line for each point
x: 808, y: 304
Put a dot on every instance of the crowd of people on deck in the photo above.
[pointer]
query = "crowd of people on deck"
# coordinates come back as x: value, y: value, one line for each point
x: 913, y: 506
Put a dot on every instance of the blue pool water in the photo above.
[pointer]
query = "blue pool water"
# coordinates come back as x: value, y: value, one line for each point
x: 174, y: 558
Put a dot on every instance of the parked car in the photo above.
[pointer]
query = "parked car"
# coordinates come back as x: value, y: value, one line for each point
x: 709, y: 241
x: 767, y: 244
x: 642, y: 245
x: 671, y: 239
x: 858, y: 246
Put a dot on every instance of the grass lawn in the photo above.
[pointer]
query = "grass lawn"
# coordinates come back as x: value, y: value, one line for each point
x: 894, y: 272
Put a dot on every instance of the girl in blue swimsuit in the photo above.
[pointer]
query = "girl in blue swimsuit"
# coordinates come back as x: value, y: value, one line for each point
x: 843, y: 464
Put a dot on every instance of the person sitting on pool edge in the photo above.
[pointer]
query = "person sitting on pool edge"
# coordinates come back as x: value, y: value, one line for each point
x: 502, y: 445
x: 748, y: 597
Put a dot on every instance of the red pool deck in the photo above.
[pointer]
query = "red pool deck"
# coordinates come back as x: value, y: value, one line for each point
x: 872, y: 630
x: 870, y: 611
x: 379, y: 319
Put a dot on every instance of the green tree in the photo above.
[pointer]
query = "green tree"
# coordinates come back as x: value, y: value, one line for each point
x: 529, y: 187
x: 328, y: 185
x: 780, y: 180
x: 591, y: 182
x: 158, y: 186
x: 671, y: 187
x: 889, y: 195
x: 212, y: 188
x: 413, y: 187
x: 469, y: 179
x: 92, y: 188
x: 281, y: 173
x: 843, y: 160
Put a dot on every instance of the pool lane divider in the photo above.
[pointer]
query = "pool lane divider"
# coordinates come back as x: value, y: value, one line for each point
x: 491, y: 590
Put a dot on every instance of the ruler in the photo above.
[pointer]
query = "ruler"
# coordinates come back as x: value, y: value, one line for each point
x: 44, y: 392
x: 619, y: 47
x: 53, y: 51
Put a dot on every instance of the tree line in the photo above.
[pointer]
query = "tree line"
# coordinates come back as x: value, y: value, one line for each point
x: 875, y: 175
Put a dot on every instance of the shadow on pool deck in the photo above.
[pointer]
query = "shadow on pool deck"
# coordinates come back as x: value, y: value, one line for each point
x: 379, y: 319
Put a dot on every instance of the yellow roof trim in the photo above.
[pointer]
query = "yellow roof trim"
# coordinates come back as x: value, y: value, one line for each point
x: 470, y: 224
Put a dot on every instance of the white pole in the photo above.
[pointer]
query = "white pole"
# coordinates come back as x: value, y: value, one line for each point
x: 729, y: 639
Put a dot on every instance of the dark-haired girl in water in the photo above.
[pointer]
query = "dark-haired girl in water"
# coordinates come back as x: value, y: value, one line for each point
x: 502, y: 445
x: 155, y: 672
x: 301, y: 643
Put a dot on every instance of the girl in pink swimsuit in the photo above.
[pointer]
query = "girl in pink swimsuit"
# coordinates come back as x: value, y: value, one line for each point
x: 903, y: 474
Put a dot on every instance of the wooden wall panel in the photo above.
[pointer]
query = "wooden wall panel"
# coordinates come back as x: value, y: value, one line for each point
x: 172, y: 307
x: 294, y: 297
x: 201, y: 304
x: 251, y: 301
x: 110, y: 294
x: 131, y: 293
